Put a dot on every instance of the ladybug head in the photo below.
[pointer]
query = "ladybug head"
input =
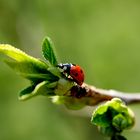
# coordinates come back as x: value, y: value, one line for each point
x: 65, y: 67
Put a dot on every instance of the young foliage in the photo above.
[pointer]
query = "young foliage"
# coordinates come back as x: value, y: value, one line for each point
x: 43, y: 88
x: 48, y: 51
x: 41, y: 74
x: 113, y: 117
x: 45, y: 77
x: 22, y: 62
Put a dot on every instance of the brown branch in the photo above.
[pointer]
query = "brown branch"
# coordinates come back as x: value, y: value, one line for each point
x: 93, y: 96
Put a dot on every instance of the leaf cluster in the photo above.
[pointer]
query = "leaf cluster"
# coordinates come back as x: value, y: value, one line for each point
x: 112, y: 118
x: 43, y: 76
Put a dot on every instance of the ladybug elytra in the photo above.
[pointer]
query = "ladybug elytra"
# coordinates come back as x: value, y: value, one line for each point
x: 74, y: 71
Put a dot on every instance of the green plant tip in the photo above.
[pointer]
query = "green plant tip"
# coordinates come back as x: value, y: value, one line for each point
x: 113, y: 117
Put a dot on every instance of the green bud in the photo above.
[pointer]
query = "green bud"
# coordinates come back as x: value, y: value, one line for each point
x: 63, y: 86
x: 113, y: 117
x: 69, y: 102
x: 120, y: 122
x: 108, y: 131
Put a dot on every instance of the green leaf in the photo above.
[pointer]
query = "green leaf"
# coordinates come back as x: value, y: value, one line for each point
x: 120, y: 122
x: 43, y: 88
x: 130, y: 118
x: 27, y: 66
x: 55, y: 71
x: 108, y: 131
x: 37, y: 78
x: 22, y: 62
x: 48, y: 52
x: 26, y: 93
x: 101, y: 116
x: 69, y: 102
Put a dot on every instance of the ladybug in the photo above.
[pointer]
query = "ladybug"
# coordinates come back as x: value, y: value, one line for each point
x: 73, y: 71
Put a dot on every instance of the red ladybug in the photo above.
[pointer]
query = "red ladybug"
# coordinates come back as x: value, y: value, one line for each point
x: 74, y: 71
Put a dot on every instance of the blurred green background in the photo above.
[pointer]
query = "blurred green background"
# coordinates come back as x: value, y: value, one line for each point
x: 101, y: 36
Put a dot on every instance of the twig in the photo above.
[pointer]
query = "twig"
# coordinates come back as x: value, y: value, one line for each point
x: 93, y: 96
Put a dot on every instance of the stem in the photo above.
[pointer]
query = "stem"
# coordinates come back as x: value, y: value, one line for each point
x: 93, y: 96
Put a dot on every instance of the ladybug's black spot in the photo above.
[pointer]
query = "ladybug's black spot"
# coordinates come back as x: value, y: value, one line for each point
x: 76, y: 74
x: 81, y: 71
